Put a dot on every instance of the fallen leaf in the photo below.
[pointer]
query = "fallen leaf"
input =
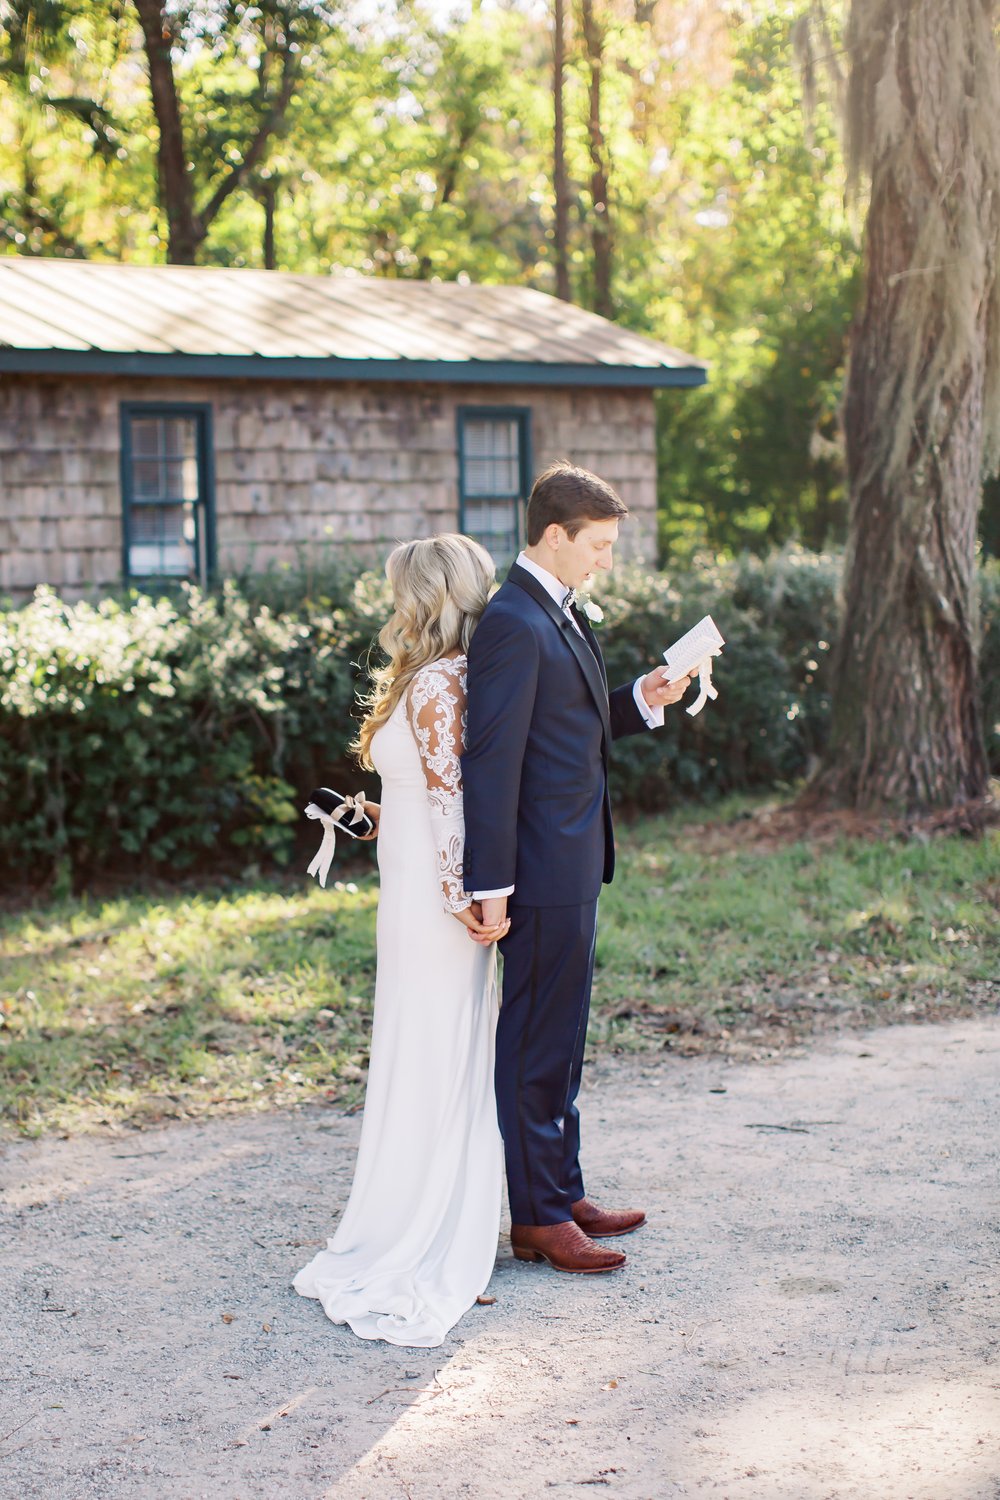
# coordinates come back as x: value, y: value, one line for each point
x: 266, y: 1327
x: 486, y: 1301
x: 227, y: 1317
x: 612, y: 1385
x: 572, y: 1421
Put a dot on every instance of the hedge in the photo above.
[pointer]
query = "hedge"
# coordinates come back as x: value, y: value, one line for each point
x: 163, y: 734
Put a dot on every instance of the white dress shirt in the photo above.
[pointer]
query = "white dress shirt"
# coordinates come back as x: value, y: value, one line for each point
x: 556, y: 590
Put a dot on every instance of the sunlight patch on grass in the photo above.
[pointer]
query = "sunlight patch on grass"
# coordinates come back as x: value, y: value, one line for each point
x: 147, y: 1009
x: 150, y: 1007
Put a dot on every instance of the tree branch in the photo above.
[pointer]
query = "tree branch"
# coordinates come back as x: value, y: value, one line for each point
x: 291, y: 64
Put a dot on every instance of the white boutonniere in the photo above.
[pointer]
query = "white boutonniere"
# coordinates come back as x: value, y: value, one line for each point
x: 594, y: 612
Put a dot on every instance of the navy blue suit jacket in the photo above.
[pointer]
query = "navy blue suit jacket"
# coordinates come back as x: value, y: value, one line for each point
x: 535, y: 769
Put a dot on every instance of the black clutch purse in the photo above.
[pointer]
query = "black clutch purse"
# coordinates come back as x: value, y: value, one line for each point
x: 340, y: 814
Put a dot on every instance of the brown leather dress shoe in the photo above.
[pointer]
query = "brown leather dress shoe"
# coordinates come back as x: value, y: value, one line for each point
x: 564, y: 1246
x: 602, y: 1223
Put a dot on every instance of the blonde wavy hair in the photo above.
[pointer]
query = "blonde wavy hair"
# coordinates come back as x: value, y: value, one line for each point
x: 440, y: 587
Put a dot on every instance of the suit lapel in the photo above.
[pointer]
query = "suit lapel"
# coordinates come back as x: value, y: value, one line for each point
x: 587, y: 655
x: 591, y: 638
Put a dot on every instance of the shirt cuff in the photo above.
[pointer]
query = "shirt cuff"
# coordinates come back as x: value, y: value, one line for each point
x: 652, y: 716
x: 508, y: 890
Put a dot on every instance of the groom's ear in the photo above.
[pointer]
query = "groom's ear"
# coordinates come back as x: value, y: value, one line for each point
x: 555, y: 536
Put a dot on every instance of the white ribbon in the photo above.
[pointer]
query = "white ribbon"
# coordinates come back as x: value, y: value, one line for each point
x: 705, y: 687
x: 693, y: 653
x: 320, y: 865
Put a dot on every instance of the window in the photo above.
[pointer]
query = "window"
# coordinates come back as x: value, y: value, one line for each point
x: 494, y: 465
x: 166, y: 491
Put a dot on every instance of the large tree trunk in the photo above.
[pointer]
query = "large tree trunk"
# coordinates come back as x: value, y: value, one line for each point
x: 600, y: 224
x: 559, y: 180
x: 906, y: 731
x: 183, y: 236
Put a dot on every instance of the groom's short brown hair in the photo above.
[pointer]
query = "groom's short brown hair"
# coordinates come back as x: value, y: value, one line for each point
x: 570, y: 497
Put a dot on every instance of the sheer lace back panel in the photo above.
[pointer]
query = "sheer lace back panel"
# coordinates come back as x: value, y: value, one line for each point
x: 436, y: 711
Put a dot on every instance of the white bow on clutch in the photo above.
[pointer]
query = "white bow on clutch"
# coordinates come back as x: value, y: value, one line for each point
x: 320, y: 866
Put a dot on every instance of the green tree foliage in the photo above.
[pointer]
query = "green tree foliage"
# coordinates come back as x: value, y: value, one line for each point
x: 417, y: 156
x: 240, y: 65
x: 418, y: 142
x: 62, y: 146
x: 763, y: 286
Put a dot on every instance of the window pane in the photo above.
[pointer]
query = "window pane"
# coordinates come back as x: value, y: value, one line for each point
x: 494, y: 525
x: 162, y: 541
x: 146, y: 436
x: 147, y: 482
x: 180, y: 479
x: 491, y: 476
x: 165, y: 458
x: 179, y: 437
x: 495, y: 436
x: 165, y: 506
x: 491, y: 448
x: 189, y: 480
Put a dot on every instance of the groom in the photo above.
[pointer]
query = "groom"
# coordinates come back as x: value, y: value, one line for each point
x: 539, y: 844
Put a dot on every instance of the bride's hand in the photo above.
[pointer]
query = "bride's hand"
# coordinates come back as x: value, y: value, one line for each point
x: 374, y: 811
x: 472, y: 919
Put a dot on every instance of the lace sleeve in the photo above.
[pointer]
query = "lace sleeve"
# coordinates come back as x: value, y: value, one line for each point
x: 436, y: 710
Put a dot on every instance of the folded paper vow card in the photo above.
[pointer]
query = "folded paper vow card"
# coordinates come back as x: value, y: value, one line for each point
x: 693, y: 653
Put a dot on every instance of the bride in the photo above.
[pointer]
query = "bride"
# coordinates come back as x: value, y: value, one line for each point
x: 418, y: 1239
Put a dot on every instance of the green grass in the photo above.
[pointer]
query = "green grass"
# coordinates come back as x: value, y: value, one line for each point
x: 147, y: 1007
x: 715, y: 929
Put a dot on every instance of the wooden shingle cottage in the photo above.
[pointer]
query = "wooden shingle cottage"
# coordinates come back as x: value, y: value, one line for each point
x: 165, y: 422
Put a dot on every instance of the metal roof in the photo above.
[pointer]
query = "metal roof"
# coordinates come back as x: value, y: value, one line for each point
x: 95, y: 316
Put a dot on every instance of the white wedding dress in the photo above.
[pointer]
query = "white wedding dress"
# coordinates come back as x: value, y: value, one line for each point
x: 418, y: 1239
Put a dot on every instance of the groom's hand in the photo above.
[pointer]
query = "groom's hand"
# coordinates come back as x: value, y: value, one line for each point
x: 659, y: 693
x: 494, y: 911
x: 471, y: 918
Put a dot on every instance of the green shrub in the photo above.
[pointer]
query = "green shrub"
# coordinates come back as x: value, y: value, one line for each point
x: 131, y: 729
x: 141, y: 733
x: 778, y: 619
x: 164, y: 733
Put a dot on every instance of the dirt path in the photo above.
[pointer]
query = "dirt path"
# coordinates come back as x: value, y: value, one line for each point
x: 811, y: 1313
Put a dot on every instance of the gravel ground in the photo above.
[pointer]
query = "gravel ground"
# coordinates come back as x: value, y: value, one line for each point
x: 811, y: 1313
